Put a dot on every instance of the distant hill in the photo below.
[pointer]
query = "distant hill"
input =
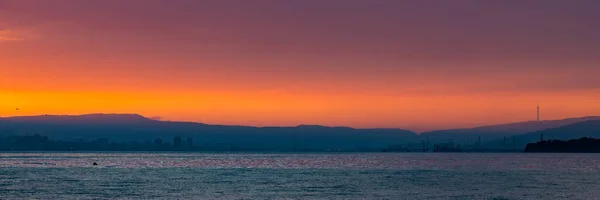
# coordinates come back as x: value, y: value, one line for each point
x: 495, y: 132
x: 132, y: 127
x: 590, y: 129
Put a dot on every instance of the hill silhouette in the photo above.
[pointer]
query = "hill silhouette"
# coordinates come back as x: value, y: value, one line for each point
x: 139, y: 129
x: 589, y: 129
x: 132, y: 127
x: 496, y: 132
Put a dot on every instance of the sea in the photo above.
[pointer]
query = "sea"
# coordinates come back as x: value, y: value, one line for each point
x: 299, y: 176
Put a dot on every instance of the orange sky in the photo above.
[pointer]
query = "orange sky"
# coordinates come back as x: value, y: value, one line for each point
x: 354, y: 63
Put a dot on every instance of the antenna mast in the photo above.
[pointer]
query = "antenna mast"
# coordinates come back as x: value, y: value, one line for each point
x: 538, y: 111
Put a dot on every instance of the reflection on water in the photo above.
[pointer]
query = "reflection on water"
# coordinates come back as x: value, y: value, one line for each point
x: 299, y: 176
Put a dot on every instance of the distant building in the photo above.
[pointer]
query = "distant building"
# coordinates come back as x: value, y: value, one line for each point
x: 450, y: 146
x: 177, y: 143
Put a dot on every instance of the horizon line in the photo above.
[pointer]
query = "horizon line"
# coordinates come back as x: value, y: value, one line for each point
x: 292, y: 126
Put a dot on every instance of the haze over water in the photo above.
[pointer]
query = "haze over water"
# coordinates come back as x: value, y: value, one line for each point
x: 299, y: 176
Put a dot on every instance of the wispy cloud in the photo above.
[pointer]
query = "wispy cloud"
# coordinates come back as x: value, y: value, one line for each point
x: 8, y: 39
x: 17, y: 34
x: 10, y: 35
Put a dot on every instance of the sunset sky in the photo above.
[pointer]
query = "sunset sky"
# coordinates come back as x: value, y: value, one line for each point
x: 415, y: 64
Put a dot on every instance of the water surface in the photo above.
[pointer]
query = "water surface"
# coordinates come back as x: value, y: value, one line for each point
x: 299, y: 176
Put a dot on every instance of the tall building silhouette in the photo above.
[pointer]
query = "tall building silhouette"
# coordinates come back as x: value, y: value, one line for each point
x: 177, y: 143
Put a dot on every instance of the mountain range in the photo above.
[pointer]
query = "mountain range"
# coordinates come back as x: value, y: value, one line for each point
x: 590, y: 128
x: 133, y: 127
x: 495, y: 132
